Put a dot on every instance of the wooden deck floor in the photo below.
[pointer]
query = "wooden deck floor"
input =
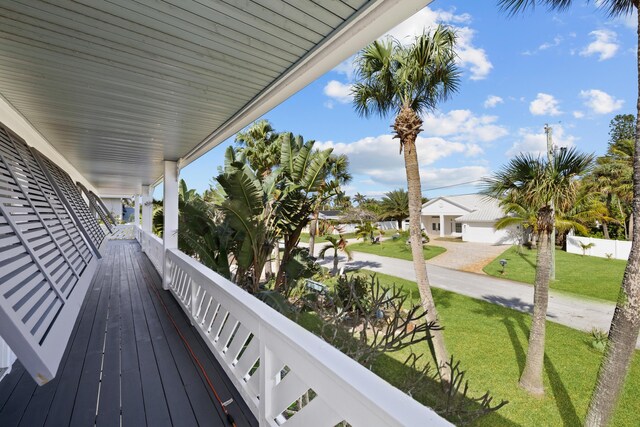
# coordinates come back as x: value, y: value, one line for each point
x: 125, y: 363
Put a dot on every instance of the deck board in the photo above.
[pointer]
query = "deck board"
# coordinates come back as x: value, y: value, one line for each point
x: 125, y: 363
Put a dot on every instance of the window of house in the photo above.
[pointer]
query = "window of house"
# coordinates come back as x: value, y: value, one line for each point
x: 458, y: 227
x: 435, y: 226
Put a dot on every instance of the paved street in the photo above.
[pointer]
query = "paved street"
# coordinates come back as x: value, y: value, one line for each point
x: 574, y: 312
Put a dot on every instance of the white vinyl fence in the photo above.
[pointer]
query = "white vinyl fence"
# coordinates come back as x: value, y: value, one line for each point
x: 273, y: 361
x: 382, y: 225
x: 603, y: 248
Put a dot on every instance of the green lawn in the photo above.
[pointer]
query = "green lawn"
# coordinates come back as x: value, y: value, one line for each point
x: 304, y: 237
x: 395, y: 249
x: 491, y: 343
x: 586, y: 276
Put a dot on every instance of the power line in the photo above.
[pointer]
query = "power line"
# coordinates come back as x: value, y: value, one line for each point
x: 452, y: 185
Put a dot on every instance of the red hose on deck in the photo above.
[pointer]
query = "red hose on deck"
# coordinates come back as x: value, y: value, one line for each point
x: 193, y: 356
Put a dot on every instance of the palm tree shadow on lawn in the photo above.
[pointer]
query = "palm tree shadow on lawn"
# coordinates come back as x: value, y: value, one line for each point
x: 513, y: 320
x: 526, y: 259
x: 429, y: 391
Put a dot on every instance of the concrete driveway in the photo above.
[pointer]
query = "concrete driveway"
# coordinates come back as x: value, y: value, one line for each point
x: 466, y: 256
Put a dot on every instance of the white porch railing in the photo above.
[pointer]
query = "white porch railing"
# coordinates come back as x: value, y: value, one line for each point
x: 152, y: 246
x: 272, y: 361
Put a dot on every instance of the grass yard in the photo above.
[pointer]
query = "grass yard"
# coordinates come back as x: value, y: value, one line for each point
x: 304, y: 237
x: 581, y: 275
x: 395, y: 249
x: 491, y: 343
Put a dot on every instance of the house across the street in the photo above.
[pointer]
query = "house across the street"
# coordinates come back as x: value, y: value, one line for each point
x: 470, y: 216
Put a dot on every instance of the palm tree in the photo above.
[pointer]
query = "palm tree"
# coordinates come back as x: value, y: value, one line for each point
x: 338, y: 171
x: 259, y: 143
x: 409, y: 81
x: 367, y: 230
x: 337, y: 244
x: 625, y: 325
x: 540, y: 184
x: 516, y: 213
x: 359, y: 198
x: 395, y: 206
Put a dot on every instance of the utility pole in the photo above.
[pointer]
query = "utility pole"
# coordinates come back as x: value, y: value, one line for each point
x: 550, y: 152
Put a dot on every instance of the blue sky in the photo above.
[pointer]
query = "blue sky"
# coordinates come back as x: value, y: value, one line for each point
x: 574, y: 70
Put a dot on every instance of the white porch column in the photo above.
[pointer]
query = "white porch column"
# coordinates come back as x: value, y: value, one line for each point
x: 170, y: 207
x: 136, y: 209
x: 147, y: 209
x: 441, y: 225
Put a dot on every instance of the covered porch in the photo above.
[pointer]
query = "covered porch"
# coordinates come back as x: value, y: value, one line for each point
x: 126, y: 363
x: 441, y: 225
x: 114, y: 99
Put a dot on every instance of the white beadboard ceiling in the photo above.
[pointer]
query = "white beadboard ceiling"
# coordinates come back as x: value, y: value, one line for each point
x: 119, y: 86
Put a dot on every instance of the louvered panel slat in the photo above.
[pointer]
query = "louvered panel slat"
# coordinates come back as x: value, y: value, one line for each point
x: 12, y: 197
x: 72, y: 199
x: 27, y: 296
x: 9, y: 239
x: 12, y: 263
x: 35, y: 312
x: 26, y: 273
x: 45, y: 264
x: 35, y: 235
x: 30, y: 226
x: 9, y: 252
x: 99, y: 207
x: 45, y: 318
x: 54, y: 211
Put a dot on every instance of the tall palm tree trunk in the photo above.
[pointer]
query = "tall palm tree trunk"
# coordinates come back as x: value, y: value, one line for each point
x: 625, y: 325
x: 313, y: 228
x: 531, y: 379
x: 407, y: 126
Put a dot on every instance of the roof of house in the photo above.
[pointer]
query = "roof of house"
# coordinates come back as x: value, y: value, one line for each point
x: 481, y: 208
x: 469, y: 202
x: 326, y: 215
x: 488, y: 210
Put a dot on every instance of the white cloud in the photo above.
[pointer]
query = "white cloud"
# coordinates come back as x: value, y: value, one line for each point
x: 346, y: 67
x: 605, y: 44
x: 630, y: 20
x: 492, y: 101
x: 463, y: 126
x: 600, y: 102
x: 341, y: 92
x: 578, y: 114
x: 426, y: 18
x: 378, y: 157
x: 535, y: 142
x: 556, y: 42
x: 544, y: 46
x: 470, y: 57
x: 440, y: 177
x: 544, y: 105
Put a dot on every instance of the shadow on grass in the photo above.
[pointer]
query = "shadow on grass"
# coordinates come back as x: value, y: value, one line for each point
x: 429, y: 392
x: 562, y: 398
x: 527, y: 260
x: 425, y: 390
x: 513, y: 321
